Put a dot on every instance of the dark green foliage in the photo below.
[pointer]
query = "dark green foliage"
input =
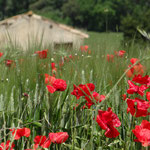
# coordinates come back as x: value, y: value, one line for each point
x: 93, y: 15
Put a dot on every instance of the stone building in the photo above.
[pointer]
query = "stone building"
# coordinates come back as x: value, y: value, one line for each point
x: 27, y: 29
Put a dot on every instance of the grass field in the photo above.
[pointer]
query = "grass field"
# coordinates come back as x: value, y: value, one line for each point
x: 26, y: 102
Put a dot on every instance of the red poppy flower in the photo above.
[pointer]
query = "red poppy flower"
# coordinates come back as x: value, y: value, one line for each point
x: 54, y: 69
x: 52, y: 65
x: 49, y: 79
x: 148, y: 96
x: 116, y: 53
x: 59, y: 137
x: 42, y: 54
x: 9, y: 63
x: 129, y: 73
x: 89, y: 52
x: 1, y: 54
x: 148, y: 84
x: 88, y: 105
x: 136, y: 69
x: 71, y: 57
x: 124, y: 96
x: 6, y: 146
x: 84, y: 48
x: 120, y: 53
x: 142, y: 133
x: 141, y: 80
x: 83, y: 90
x: 108, y: 120
x: 55, y: 84
x: 94, y: 98
x: 98, y: 97
x: 132, y: 69
x: 136, y: 89
x: 42, y: 141
x: 110, y: 58
x: 134, y: 60
x: 138, y: 107
x: 18, y: 133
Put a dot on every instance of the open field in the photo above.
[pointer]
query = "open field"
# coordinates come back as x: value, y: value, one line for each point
x: 26, y: 102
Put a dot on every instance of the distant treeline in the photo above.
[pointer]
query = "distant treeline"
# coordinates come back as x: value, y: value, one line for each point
x: 93, y: 15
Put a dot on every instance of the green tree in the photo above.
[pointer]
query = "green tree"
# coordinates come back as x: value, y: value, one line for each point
x: 3, y: 8
x: 71, y: 10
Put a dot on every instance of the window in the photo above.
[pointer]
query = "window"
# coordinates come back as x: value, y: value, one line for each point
x: 64, y: 45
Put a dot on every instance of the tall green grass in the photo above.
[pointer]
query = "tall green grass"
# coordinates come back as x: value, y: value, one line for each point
x: 43, y: 112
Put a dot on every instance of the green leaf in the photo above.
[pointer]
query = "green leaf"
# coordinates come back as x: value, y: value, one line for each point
x: 37, y: 124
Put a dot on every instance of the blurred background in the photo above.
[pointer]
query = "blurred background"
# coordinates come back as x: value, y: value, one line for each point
x: 92, y: 15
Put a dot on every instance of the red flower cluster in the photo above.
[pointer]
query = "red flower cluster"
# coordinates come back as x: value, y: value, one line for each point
x: 44, y: 142
x: 18, y: 133
x: 39, y: 140
x: 83, y: 90
x: 94, y: 98
x: 59, y: 137
x: 108, y: 120
x: 142, y: 80
x: 110, y: 57
x: 120, y: 53
x: 84, y: 48
x: 86, y: 91
x: 65, y: 59
x: 7, y: 146
x: 136, y: 89
x: 42, y: 54
x: 138, y: 107
x: 142, y: 132
x: 137, y: 69
x: 55, y: 84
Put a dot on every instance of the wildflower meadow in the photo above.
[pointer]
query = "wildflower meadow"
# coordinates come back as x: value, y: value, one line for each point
x: 96, y: 97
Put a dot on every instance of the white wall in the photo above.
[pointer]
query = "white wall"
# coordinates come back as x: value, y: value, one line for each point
x: 32, y: 30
